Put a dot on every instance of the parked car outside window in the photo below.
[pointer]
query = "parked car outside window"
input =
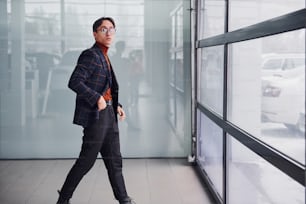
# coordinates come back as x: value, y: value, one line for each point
x: 283, y: 65
x: 283, y: 100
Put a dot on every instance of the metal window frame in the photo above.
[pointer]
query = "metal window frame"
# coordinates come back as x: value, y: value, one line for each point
x: 285, y: 23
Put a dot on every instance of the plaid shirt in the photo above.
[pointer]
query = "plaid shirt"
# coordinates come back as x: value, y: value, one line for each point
x: 90, y: 79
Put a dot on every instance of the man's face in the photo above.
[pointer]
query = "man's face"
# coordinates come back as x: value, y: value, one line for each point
x: 105, y: 33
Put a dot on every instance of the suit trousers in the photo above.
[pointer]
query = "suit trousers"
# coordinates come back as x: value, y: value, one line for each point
x: 102, y: 136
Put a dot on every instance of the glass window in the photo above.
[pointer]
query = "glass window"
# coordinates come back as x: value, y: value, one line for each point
x: 265, y: 93
x: 253, y: 180
x: 210, y: 78
x: 36, y: 105
x: 210, y: 150
x: 211, y: 18
x: 245, y: 13
x: 177, y: 73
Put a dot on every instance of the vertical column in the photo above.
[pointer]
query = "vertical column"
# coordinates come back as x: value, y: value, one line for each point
x: 16, y: 98
x: 157, y: 45
x: 4, y: 57
x: 63, y: 27
x: 187, y: 73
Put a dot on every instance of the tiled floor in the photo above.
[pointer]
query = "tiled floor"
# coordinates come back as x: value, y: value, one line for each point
x: 149, y: 181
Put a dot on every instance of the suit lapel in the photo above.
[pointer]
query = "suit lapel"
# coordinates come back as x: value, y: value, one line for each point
x: 109, y: 72
x: 103, y: 61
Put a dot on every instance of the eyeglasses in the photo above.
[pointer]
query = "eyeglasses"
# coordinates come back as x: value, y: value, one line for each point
x: 110, y: 30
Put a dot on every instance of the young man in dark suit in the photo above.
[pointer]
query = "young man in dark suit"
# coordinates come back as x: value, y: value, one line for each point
x: 96, y: 88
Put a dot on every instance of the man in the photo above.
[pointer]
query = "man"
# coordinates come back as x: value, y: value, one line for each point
x: 96, y: 110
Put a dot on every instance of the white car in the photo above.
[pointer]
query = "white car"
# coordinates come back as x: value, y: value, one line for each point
x: 283, y: 65
x: 283, y: 100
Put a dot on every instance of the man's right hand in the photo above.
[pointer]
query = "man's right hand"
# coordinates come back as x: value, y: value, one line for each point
x: 101, y: 103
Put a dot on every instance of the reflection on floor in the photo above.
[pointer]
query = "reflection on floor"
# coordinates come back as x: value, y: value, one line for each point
x: 149, y: 181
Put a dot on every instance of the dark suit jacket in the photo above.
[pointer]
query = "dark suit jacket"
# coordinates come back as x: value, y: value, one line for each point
x: 90, y: 79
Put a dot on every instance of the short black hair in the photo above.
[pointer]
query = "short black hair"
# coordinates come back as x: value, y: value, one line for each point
x: 99, y: 21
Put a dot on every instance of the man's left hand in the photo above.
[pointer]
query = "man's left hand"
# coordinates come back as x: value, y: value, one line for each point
x: 121, y: 113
